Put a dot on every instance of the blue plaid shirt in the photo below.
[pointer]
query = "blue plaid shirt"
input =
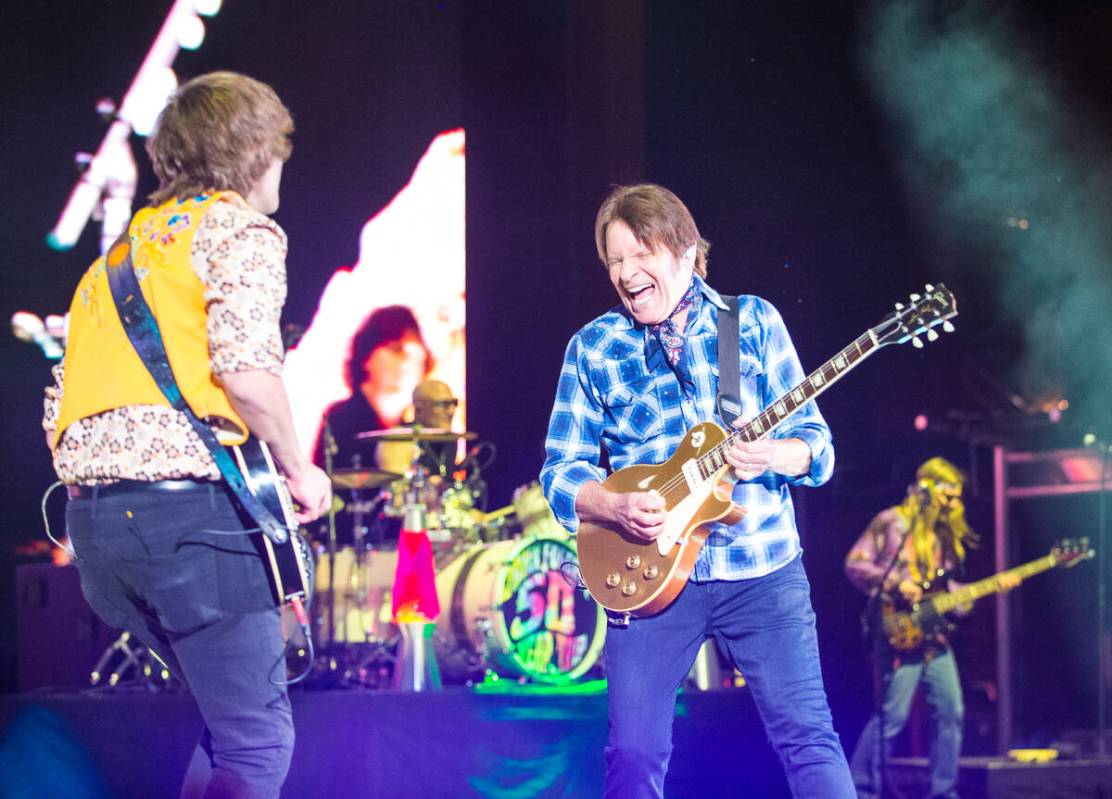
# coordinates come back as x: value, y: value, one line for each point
x: 618, y: 393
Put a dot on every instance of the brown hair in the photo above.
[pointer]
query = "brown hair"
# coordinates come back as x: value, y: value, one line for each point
x: 384, y: 326
x: 218, y: 131
x: 656, y: 217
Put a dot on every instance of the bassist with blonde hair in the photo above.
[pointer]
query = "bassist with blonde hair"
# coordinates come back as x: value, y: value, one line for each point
x: 922, y: 540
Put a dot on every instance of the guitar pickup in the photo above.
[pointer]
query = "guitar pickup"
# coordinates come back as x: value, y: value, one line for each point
x: 691, y: 474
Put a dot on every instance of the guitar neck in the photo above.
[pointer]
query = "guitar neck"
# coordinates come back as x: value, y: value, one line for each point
x: 815, y: 383
x: 944, y: 603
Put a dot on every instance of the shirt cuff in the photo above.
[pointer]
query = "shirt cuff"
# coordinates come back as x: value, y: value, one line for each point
x: 565, y: 489
x: 822, y: 457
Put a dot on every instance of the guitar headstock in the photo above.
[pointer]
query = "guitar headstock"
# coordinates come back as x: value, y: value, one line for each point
x: 923, y: 312
x: 1071, y: 551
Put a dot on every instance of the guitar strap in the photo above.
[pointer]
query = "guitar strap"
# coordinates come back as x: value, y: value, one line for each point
x: 729, y: 369
x: 144, y: 334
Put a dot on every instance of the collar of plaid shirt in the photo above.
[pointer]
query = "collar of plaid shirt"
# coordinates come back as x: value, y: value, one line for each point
x: 670, y: 335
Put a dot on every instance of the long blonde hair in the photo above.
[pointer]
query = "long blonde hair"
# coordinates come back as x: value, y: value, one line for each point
x: 925, y: 513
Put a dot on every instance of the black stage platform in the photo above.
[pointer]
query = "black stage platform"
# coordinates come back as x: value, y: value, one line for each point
x: 1000, y: 778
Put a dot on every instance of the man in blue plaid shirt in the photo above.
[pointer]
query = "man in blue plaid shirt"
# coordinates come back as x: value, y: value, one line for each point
x: 634, y: 381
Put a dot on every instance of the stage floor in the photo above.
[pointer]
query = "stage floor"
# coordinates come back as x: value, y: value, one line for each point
x: 359, y: 743
x: 520, y: 743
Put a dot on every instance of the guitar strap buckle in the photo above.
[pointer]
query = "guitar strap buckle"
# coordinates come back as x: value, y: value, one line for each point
x: 729, y: 407
x: 615, y: 619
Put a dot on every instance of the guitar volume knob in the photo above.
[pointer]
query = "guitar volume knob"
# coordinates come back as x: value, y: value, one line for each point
x: 613, y: 579
x: 651, y: 571
x: 633, y: 561
x: 629, y: 589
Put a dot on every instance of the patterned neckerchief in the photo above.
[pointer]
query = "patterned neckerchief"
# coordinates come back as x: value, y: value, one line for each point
x: 671, y: 337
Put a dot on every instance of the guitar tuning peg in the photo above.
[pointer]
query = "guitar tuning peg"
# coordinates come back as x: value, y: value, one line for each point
x: 932, y: 335
x: 929, y: 288
x: 916, y: 342
x: 948, y: 326
x: 915, y: 298
x: 899, y: 306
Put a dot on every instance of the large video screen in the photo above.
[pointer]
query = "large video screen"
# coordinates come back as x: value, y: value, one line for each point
x: 390, y: 322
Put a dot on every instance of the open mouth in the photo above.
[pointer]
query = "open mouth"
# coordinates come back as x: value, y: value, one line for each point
x: 640, y: 293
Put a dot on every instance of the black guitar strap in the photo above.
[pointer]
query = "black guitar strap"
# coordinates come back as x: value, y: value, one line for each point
x: 143, y: 332
x: 729, y: 370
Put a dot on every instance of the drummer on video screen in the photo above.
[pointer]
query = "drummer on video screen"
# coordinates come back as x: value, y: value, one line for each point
x: 433, y: 409
x: 388, y: 358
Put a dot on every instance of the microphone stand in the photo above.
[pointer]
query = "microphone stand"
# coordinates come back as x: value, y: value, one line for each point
x: 330, y: 449
x: 881, y: 676
x: 109, y: 179
x: 1102, y: 601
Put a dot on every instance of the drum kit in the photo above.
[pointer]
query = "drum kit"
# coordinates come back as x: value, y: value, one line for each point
x: 510, y: 605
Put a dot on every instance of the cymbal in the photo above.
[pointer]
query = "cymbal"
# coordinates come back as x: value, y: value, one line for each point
x: 362, y: 478
x: 434, y: 434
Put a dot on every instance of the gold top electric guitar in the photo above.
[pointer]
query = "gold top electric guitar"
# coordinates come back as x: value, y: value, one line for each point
x: 626, y: 574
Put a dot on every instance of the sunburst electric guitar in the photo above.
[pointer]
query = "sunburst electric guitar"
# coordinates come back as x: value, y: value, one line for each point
x: 626, y: 574
x: 906, y: 629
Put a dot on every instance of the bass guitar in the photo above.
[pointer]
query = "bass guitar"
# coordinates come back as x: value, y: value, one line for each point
x: 906, y: 630
x: 290, y: 563
x: 626, y: 574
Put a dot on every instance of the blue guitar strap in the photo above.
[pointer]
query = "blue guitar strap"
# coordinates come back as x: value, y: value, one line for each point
x: 729, y: 369
x: 144, y: 334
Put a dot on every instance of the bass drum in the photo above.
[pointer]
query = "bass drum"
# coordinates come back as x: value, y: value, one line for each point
x: 506, y: 605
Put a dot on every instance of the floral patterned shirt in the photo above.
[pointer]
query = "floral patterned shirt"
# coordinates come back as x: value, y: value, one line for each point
x: 871, y: 555
x: 240, y: 256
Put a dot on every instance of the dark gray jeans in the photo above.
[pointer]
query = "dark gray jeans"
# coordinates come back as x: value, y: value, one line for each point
x: 150, y: 563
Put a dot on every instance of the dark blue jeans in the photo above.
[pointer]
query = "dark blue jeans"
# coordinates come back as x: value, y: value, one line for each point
x: 940, y: 676
x: 768, y: 627
x: 201, y: 601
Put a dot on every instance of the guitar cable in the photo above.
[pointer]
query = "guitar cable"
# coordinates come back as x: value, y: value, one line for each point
x: 296, y: 603
x: 298, y: 607
x: 572, y: 574
x: 64, y: 546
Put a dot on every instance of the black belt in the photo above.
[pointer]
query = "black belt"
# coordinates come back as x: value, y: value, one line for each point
x: 121, y: 487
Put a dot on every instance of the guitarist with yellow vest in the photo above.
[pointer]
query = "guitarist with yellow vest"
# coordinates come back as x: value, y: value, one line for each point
x: 904, y: 548
x: 159, y: 540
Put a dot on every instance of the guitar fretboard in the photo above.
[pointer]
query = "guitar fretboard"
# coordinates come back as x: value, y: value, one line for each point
x: 787, y: 404
x: 944, y: 603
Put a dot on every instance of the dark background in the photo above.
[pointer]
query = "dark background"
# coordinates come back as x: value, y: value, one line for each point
x: 757, y: 114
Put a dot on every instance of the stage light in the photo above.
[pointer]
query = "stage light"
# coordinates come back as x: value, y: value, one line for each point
x: 921, y: 422
x: 190, y: 31
x: 27, y: 326
x: 207, y: 8
x: 142, y: 107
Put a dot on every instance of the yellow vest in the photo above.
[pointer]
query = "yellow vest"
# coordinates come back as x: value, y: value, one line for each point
x: 102, y: 369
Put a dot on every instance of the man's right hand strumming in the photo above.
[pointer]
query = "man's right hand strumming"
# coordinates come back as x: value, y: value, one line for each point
x: 640, y: 513
x: 312, y: 491
x: 260, y: 398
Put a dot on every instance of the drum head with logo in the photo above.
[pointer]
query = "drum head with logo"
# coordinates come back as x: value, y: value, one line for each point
x: 510, y: 603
